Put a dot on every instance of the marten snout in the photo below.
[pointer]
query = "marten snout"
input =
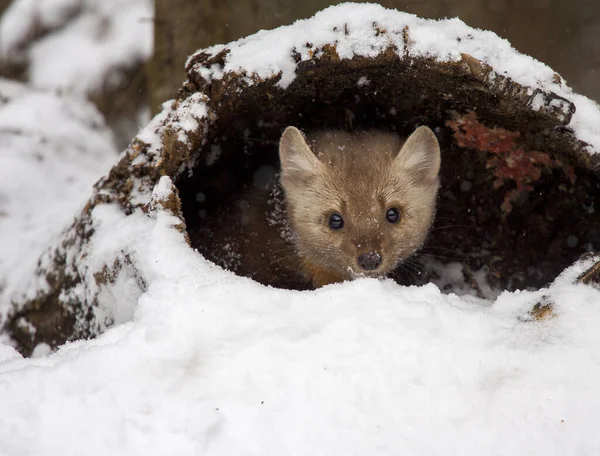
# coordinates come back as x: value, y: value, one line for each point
x: 369, y: 261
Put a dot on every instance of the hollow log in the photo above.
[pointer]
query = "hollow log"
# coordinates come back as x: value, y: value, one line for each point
x: 519, y: 160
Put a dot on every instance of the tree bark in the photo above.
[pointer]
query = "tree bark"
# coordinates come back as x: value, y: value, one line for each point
x: 180, y: 28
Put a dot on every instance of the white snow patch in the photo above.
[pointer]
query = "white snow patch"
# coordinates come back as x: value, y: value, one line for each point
x: 7, y: 353
x: 117, y: 236
x: 363, y: 81
x: 190, y: 114
x: 53, y: 150
x: 89, y: 40
x: 163, y: 189
x: 150, y: 133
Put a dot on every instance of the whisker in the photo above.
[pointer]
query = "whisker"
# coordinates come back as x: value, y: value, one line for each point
x: 441, y: 257
x: 414, y: 266
x: 439, y: 228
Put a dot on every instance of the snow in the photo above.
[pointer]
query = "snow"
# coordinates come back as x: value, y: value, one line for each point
x: 150, y: 133
x: 199, y: 361
x: 351, y: 27
x: 363, y: 81
x: 192, y: 111
x: 53, y: 150
x: 25, y: 15
x: 163, y: 190
x: 217, y: 364
x: 90, y: 40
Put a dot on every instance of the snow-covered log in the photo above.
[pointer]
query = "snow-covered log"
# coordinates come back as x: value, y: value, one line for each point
x: 520, y: 189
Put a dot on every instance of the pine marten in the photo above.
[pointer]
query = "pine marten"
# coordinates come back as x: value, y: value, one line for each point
x: 357, y: 205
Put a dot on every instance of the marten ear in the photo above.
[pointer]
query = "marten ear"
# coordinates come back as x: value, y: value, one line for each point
x: 294, y: 153
x: 420, y: 154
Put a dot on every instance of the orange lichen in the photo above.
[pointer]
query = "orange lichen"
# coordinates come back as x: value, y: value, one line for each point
x: 509, y: 160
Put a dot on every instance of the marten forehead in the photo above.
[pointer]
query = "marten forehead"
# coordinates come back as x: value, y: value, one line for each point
x: 350, y: 150
x: 359, y: 196
x: 365, y: 193
x: 357, y: 169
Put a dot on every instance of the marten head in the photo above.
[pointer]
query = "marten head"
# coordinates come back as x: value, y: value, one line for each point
x: 359, y: 203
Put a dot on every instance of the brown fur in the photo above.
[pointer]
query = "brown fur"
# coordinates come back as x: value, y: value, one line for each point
x: 359, y: 175
x: 240, y: 238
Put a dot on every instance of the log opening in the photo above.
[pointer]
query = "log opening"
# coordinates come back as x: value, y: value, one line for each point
x: 517, y: 203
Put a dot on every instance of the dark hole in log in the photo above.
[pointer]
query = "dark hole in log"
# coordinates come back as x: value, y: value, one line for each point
x: 547, y: 228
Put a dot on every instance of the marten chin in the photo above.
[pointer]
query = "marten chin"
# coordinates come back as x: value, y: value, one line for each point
x: 359, y: 203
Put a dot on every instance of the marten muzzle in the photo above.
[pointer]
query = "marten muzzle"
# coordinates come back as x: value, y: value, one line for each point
x: 369, y: 261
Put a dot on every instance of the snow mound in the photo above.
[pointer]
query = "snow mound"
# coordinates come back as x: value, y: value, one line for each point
x: 53, y: 149
x: 351, y: 27
x: 217, y: 364
x: 90, y: 40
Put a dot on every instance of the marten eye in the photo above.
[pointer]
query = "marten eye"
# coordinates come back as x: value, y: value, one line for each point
x: 392, y: 215
x: 336, y: 222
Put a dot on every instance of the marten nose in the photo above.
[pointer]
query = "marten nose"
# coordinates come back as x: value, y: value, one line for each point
x: 369, y: 261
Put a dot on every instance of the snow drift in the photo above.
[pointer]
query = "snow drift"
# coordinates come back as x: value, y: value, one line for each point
x: 54, y: 147
x: 71, y: 44
x: 85, y: 48
x: 219, y: 365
